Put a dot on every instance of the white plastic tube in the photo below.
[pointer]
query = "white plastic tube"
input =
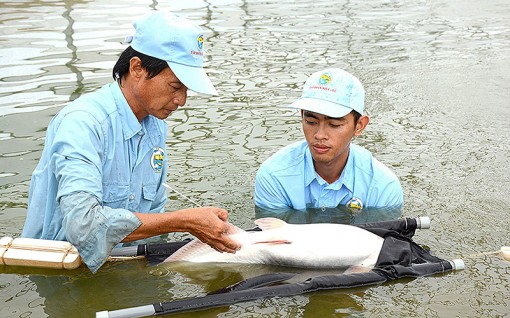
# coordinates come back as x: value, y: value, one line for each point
x: 457, y: 264
x: 423, y: 222
x: 134, y: 312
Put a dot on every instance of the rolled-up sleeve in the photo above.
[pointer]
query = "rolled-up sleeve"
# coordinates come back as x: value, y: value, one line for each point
x: 94, y: 229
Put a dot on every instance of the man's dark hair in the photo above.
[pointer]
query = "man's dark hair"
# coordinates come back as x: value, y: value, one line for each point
x: 356, y: 115
x: 153, y: 65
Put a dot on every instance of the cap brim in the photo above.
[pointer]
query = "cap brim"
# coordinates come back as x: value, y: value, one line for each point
x: 320, y: 106
x: 195, y: 78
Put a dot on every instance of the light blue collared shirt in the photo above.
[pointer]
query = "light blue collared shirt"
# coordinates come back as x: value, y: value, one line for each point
x: 99, y: 164
x: 288, y: 180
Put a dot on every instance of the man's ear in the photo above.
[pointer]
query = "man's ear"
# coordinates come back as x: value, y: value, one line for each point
x: 361, y: 125
x: 136, y: 69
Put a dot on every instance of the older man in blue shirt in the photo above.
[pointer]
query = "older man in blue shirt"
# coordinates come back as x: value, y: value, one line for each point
x: 101, y: 175
x: 326, y: 170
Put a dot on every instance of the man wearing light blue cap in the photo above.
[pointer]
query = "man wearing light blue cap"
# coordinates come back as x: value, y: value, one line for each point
x: 326, y: 170
x: 100, y: 179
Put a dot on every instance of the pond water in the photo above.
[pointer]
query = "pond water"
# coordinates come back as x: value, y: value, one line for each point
x: 437, y: 76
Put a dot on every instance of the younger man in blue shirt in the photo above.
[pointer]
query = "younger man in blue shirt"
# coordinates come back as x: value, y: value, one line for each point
x: 326, y: 170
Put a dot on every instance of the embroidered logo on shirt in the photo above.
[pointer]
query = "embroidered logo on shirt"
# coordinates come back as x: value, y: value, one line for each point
x: 158, y: 154
x: 354, y: 204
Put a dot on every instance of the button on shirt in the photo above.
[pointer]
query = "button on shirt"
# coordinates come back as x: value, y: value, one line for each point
x: 99, y: 163
x: 288, y: 180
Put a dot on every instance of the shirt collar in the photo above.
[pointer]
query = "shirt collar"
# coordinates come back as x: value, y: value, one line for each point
x: 346, y: 178
x: 130, y: 124
x: 310, y: 173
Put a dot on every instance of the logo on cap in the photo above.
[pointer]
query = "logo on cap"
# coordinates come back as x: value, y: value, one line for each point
x: 158, y: 154
x: 323, y: 84
x: 200, y: 45
x: 325, y: 79
x: 200, y: 41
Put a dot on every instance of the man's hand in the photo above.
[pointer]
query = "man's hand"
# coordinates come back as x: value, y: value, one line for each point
x: 208, y: 224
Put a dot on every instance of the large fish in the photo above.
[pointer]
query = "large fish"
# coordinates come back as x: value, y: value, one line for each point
x: 321, y: 245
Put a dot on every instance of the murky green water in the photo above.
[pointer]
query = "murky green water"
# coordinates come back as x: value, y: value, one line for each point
x: 438, y: 89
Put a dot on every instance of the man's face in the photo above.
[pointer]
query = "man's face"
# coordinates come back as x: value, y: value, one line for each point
x: 160, y: 95
x: 329, y: 138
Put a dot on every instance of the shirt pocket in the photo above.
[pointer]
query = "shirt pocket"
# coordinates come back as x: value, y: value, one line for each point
x: 149, y: 192
x: 147, y: 198
x: 115, y: 196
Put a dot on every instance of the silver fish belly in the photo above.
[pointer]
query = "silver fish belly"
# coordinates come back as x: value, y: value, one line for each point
x: 322, y: 245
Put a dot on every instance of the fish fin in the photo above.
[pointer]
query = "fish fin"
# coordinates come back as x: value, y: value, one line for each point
x: 269, y: 223
x: 188, y: 251
x: 232, y: 229
x: 356, y: 269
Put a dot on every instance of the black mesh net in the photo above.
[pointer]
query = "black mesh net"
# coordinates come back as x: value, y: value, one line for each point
x: 400, y: 257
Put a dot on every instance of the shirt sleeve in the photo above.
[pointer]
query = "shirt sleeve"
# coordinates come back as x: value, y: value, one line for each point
x: 76, y: 154
x: 269, y: 193
x: 391, y: 195
x: 76, y: 161
x: 94, y: 229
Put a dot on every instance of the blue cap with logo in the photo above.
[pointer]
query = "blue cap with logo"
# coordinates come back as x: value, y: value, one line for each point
x: 332, y: 92
x: 179, y: 42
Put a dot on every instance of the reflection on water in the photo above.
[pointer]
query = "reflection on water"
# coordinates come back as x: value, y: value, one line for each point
x: 436, y: 75
x: 61, y: 295
x: 340, y: 214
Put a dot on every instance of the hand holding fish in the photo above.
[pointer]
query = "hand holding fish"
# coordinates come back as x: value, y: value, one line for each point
x: 209, y: 225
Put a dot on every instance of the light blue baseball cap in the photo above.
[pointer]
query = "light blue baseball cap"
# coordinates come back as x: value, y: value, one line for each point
x: 332, y: 92
x: 179, y: 42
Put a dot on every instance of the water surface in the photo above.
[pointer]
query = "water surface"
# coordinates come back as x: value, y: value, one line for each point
x: 437, y: 80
